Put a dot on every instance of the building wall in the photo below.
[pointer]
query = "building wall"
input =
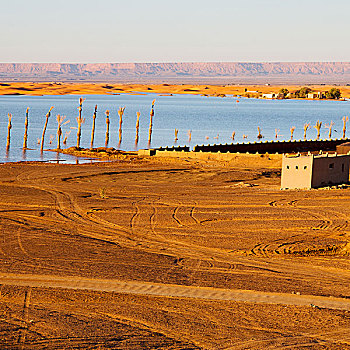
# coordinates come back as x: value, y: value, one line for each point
x: 296, y: 172
x: 312, y: 95
x: 314, y: 171
x: 276, y: 158
x: 330, y: 170
x: 268, y: 96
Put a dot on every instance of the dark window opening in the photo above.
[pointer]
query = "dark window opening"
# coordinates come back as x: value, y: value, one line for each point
x: 305, y: 166
x: 342, y: 167
x: 296, y: 167
x: 287, y: 166
x: 331, y: 166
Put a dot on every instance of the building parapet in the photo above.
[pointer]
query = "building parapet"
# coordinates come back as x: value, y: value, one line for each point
x: 281, y: 147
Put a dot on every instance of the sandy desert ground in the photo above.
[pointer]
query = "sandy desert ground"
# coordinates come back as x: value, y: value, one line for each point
x: 55, y: 88
x: 147, y: 253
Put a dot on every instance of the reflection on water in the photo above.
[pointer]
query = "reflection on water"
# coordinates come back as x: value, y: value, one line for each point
x: 207, y: 120
x: 16, y: 155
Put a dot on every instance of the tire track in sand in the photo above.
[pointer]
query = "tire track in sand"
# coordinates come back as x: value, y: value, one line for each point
x: 136, y: 214
x: 291, y: 341
x: 174, y: 215
x: 153, y: 217
x: 192, y: 215
x: 332, y: 224
x: 91, y: 225
x: 331, y: 220
x: 23, y: 332
x: 96, y: 230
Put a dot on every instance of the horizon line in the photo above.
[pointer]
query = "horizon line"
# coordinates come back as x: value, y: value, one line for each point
x: 172, y: 62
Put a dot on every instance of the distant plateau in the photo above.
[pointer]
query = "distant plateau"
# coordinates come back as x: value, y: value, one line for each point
x: 185, y: 72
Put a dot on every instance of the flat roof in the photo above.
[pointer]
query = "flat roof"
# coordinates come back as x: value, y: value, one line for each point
x: 323, y: 155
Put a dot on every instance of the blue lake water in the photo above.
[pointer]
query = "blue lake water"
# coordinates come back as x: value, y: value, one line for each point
x: 211, y: 120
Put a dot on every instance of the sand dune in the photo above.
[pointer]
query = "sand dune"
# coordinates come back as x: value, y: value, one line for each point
x: 37, y: 89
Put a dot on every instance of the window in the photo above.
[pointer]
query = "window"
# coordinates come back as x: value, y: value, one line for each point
x: 342, y: 167
x: 296, y: 167
x: 331, y: 166
x: 287, y: 166
x: 305, y: 167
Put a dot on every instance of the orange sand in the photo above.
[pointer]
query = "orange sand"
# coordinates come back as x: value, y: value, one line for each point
x: 35, y: 89
x: 158, y: 253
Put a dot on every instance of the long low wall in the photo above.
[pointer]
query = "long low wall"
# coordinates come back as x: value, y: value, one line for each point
x: 213, y: 156
x: 174, y: 148
x: 153, y: 151
x: 235, y: 159
x: 272, y: 150
x: 274, y: 146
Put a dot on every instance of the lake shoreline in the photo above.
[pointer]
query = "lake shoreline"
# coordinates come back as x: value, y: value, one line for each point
x: 58, y: 88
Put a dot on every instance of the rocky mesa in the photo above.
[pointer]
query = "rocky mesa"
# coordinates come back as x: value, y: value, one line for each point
x: 190, y: 72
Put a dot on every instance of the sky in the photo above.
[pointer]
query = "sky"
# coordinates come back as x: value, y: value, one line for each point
x: 90, y: 31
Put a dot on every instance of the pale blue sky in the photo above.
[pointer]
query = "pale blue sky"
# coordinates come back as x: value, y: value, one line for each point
x: 170, y: 31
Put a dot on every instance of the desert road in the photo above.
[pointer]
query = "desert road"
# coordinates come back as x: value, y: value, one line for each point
x: 144, y: 288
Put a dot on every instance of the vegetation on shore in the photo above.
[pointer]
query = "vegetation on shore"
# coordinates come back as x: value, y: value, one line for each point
x: 332, y: 94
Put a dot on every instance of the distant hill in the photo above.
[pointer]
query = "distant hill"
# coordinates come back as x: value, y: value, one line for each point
x: 211, y: 72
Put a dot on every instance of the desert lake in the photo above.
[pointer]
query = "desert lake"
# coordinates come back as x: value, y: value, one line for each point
x: 210, y: 119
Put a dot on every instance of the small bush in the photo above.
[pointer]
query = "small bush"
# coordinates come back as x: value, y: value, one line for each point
x: 102, y: 193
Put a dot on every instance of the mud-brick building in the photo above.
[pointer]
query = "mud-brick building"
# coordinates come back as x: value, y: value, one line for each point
x: 312, y: 171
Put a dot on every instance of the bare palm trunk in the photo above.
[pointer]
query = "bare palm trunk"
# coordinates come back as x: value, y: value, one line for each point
x: 137, y: 128
x: 292, y: 129
x: 44, y: 130
x: 9, y: 127
x: 93, y: 128
x: 80, y: 121
x: 151, y: 124
x: 306, y: 127
x: 345, y: 120
x: 107, y: 129
x: 25, y: 137
x: 120, y: 113
x: 318, y: 128
x: 60, y: 123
